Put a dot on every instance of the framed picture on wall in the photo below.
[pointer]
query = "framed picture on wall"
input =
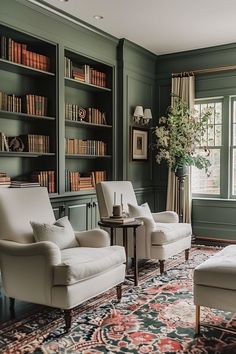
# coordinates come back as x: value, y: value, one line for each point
x: 139, y: 144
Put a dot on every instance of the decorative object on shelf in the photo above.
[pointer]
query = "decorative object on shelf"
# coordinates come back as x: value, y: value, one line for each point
x: 139, y: 144
x: 142, y: 116
x: 82, y: 113
x: 16, y: 144
x: 177, y: 135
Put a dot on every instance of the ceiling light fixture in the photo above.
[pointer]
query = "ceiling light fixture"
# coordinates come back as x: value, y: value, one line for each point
x: 98, y: 17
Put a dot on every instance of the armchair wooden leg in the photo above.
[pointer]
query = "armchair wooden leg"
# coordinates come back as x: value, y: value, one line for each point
x: 162, y: 266
x: 119, y: 292
x: 197, y: 327
x: 68, y: 318
x: 12, y: 307
x: 187, y: 254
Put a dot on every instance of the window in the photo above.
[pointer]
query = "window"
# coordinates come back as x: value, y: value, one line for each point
x: 202, y: 184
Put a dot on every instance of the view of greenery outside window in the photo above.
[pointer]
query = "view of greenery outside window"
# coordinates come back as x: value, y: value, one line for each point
x: 209, y: 185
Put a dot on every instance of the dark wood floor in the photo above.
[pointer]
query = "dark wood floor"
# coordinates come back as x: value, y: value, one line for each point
x: 21, y: 308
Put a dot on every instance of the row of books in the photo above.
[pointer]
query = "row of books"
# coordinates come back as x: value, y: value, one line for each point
x: 19, y: 53
x: 37, y: 179
x: 4, y: 146
x: 85, y: 147
x: 36, y: 105
x: 36, y: 143
x: 85, y: 73
x: 45, y: 179
x: 28, y: 143
x: 10, y: 103
x: 89, y: 115
x: 30, y: 104
x: 75, y: 181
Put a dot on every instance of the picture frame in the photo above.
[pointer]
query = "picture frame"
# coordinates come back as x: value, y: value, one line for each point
x: 139, y: 144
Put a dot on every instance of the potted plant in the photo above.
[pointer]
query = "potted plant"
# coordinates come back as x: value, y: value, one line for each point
x: 178, y: 135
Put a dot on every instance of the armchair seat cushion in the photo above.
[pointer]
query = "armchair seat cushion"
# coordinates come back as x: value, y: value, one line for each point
x: 219, y: 271
x: 81, y: 263
x: 170, y: 232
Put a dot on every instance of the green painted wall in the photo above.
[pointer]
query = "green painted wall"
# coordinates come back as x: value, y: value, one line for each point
x: 136, y: 87
x: 211, y: 218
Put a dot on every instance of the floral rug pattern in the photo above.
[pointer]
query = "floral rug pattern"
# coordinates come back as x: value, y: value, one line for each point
x: 156, y: 317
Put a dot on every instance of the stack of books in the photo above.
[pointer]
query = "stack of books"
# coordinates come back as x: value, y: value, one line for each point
x: 5, y: 181
x: 118, y: 220
x: 24, y: 184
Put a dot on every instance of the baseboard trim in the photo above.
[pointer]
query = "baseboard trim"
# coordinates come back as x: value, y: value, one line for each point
x: 199, y: 239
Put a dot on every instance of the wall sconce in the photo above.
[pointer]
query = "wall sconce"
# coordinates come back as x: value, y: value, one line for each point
x: 147, y: 116
x: 141, y: 116
x: 138, y: 114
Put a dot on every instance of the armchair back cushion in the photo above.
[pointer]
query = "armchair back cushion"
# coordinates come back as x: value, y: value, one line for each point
x: 143, y: 210
x: 105, y: 194
x: 61, y: 233
x: 16, y: 205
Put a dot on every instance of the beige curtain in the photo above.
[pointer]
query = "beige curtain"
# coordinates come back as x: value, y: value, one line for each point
x: 184, y: 87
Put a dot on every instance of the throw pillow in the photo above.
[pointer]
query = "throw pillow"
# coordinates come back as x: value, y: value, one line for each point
x: 61, y: 233
x: 140, y: 210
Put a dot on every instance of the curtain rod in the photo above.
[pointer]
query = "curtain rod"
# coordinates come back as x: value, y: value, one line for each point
x: 207, y: 71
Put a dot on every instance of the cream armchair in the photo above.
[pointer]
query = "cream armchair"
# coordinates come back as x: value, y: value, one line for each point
x: 161, y: 235
x: 41, y: 272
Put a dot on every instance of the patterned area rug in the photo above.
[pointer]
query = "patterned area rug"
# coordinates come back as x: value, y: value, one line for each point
x: 155, y: 317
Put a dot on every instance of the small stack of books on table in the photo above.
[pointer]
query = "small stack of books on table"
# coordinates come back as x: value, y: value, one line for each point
x: 118, y: 220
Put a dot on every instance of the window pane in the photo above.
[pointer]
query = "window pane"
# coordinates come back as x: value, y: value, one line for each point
x: 218, y: 113
x: 234, y: 112
x: 213, y: 136
x: 234, y: 172
x: 201, y: 183
x: 218, y: 134
x: 234, y: 134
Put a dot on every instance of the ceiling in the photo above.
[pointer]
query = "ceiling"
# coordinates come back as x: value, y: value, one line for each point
x: 161, y: 26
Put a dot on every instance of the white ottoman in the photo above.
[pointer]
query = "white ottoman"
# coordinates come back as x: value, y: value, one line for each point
x: 215, y: 283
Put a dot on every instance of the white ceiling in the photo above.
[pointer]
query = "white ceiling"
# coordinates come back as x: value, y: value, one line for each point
x: 161, y: 26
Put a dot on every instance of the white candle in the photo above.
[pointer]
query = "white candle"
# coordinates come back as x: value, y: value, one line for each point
x: 121, y: 199
x: 114, y: 198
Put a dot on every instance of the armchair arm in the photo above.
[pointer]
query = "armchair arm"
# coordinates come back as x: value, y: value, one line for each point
x: 93, y: 238
x: 166, y: 216
x: 47, y: 249
x: 27, y: 270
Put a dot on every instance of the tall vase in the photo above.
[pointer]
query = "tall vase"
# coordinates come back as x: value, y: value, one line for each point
x: 181, y: 174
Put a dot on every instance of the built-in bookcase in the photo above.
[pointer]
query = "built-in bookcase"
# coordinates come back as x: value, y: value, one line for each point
x: 29, y: 96
x: 27, y: 105
x: 88, y: 121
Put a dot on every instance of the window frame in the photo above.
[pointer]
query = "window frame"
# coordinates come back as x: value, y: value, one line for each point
x: 224, y: 149
x: 231, y: 147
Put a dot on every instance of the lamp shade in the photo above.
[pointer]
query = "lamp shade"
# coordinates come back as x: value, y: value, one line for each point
x: 147, y: 114
x: 138, y: 112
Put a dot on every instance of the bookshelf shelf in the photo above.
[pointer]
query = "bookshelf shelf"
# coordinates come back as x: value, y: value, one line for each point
x: 74, y: 156
x: 85, y: 86
x: 24, y: 116
x: 87, y: 125
x: 22, y: 69
x: 25, y: 154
